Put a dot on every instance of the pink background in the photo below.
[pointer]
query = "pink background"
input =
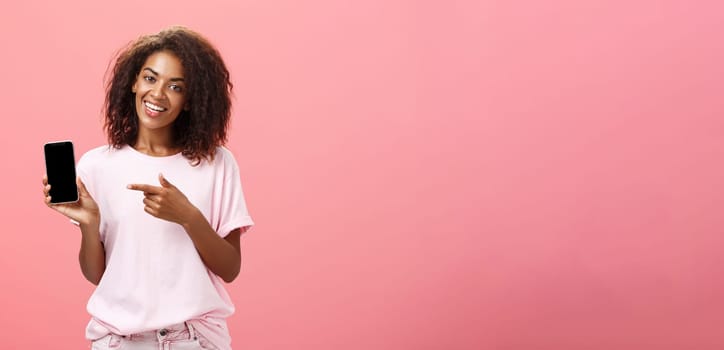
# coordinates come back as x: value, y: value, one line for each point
x: 424, y: 175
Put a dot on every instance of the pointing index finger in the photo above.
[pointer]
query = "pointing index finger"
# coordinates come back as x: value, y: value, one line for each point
x: 145, y: 188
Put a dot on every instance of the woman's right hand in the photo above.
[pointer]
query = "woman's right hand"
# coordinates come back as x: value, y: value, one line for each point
x: 84, y: 211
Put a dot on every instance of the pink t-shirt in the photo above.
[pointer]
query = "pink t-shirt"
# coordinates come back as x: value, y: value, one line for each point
x: 154, y: 276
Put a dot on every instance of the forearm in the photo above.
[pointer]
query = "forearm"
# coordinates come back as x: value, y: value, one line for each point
x: 217, y: 254
x: 92, y: 255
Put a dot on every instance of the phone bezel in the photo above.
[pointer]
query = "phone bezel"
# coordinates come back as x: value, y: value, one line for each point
x: 72, y: 151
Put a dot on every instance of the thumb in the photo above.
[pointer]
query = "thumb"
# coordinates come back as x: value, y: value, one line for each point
x: 162, y: 180
x: 81, y: 186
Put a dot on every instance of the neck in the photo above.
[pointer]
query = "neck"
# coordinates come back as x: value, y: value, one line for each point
x: 155, y: 143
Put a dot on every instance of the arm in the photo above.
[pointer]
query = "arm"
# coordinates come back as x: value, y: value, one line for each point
x: 221, y: 255
x: 92, y: 255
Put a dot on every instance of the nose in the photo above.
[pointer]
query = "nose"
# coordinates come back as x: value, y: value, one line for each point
x: 157, y: 91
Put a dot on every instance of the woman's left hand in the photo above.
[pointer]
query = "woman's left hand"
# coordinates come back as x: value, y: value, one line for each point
x: 166, y: 201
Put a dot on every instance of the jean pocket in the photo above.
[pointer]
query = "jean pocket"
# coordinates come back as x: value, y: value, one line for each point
x: 109, y: 342
x: 186, y: 345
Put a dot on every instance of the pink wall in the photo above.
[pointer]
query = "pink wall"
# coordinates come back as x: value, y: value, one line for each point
x: 424, y: 175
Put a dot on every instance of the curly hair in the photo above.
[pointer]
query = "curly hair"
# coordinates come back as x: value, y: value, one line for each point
x: 199, y: 128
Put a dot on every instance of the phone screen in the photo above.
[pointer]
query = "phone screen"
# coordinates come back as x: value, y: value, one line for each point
x: 60, y: 167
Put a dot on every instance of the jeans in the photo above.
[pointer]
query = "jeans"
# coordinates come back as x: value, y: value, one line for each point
x: 177, y: 337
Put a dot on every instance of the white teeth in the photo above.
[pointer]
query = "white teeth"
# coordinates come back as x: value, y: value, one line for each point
x: 153, y: 107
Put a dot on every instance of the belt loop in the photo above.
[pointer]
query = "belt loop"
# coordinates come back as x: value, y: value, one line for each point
x: 192, y: 334
x: 161, y: 338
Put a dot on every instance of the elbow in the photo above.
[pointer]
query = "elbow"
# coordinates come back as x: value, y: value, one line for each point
x: 230, y: 278
x: 231, y: 275
x: 95, y: 279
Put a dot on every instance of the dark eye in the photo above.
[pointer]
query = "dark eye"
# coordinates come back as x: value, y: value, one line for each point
x: 176, y: 88
x: 149, y: 78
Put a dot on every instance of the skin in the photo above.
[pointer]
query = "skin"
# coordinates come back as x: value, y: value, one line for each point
x: 161, y: 84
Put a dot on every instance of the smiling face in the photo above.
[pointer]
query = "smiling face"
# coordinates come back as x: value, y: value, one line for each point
x: 160, y: 92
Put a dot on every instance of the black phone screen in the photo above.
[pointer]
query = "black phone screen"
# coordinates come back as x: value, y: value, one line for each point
x: 60, y: 167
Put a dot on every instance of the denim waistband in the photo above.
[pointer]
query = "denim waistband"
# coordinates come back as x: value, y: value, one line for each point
x: 180, y: 331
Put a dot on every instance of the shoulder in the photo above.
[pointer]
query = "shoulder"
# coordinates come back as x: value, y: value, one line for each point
x: 224, y: 161
x: 91, y: 161
x: 94, y: 155
x: 224, y: 156
x: 224, y: 152
x: 100, y: 155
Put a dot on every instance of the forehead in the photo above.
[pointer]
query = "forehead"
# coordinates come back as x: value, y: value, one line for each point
x: 165, y: 64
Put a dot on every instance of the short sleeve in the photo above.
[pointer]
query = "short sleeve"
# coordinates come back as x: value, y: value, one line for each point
x: 86, y: 171
x: 82, y: 170
x: 232, y: 210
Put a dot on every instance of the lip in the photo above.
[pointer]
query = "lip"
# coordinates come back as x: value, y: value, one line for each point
x: 153, y: 113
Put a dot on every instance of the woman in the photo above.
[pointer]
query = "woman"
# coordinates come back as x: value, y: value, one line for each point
x: 161, y: 208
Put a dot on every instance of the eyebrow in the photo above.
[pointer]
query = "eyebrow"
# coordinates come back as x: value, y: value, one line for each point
x: 155, y: 73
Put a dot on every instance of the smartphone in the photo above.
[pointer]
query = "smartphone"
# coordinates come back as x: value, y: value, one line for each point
x: 60, y: 167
